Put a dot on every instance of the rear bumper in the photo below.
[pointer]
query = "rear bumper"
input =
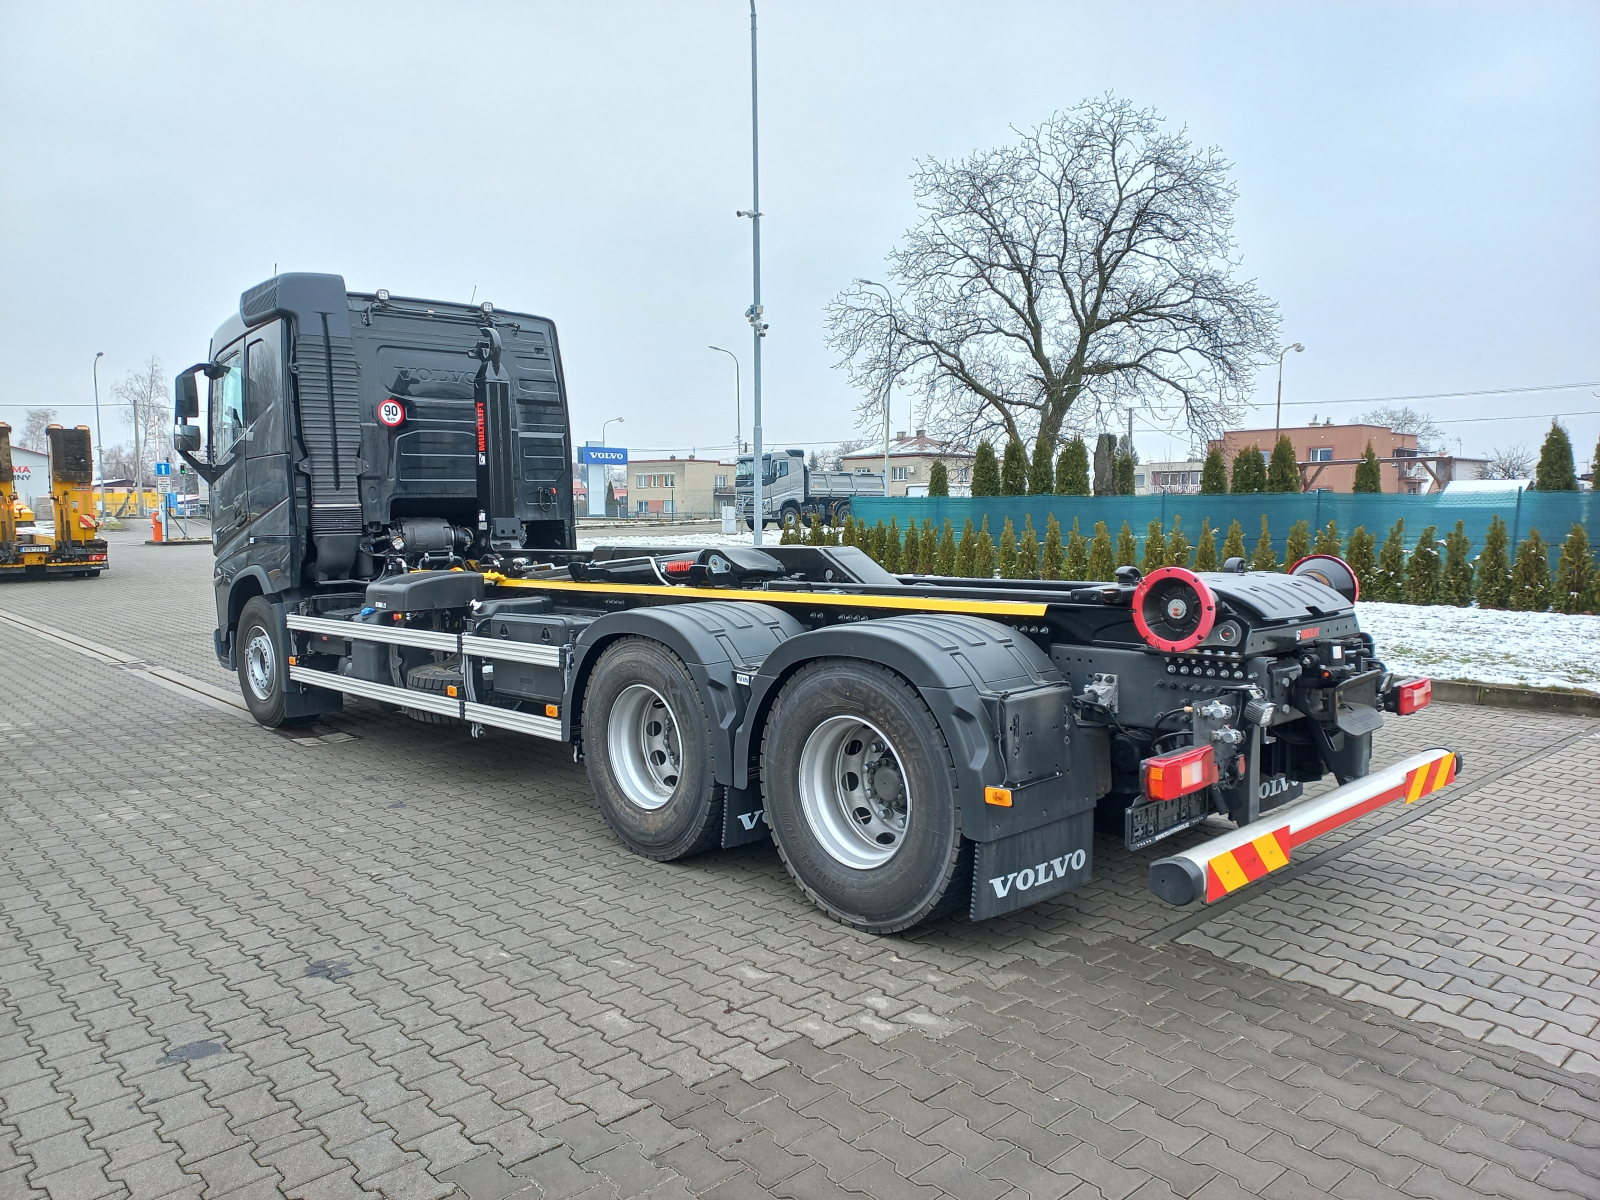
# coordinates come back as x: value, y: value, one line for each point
x: 1221, y: 866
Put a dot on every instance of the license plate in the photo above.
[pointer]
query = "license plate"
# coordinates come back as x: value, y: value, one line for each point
x: 1149, y: 823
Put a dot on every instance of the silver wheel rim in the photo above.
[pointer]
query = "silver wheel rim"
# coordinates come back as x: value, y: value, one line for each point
x: 645, y: 746
x: 853, y: 792
x: 260, y: 664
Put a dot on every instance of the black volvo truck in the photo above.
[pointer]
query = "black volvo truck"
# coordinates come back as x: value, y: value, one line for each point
x: 392, y: 502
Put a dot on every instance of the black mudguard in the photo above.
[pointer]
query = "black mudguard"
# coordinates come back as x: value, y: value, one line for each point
x: 721, y: 643
x: 299, y: 699
x: 971, y: 672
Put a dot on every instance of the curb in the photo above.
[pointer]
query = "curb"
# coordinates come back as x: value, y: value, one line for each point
x: 1449, y: 691
x: 178, y: 542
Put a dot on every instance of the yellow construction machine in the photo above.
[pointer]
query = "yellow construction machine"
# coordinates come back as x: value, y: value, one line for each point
x: 74, y: 547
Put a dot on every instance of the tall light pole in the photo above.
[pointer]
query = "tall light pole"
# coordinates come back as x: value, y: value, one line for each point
x: 99, y: 442
x: 1277, y: 423
x: 888, y: 387
x: 738, y: 401
x: 598, y: 475
x: 758, y: 327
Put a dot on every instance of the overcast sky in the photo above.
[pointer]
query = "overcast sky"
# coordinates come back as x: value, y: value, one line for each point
x: 1419, y: 184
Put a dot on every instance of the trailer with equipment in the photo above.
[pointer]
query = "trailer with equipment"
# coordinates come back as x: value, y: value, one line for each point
x: 74, y: 545
x: 392, y: 490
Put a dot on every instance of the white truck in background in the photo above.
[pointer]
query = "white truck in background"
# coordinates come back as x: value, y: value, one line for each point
x: 789, y: 488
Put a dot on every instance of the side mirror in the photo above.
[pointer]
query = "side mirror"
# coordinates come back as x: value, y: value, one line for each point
x: 187, y: 405
x: 186, y: 437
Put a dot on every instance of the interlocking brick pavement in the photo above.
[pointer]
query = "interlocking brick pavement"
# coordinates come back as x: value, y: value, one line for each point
x: 237, y: 963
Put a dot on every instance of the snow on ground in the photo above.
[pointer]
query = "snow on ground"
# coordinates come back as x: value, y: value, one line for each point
x: 1547, y: 650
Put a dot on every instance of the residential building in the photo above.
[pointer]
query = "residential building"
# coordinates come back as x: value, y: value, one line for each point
x: 1178, y: 478
x: 910, y: 460
x: 1328, y: 454
x: 673, y: 486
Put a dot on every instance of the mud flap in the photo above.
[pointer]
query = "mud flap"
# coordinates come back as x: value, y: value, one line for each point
x: 743, y: 818
x: 1025, y: 868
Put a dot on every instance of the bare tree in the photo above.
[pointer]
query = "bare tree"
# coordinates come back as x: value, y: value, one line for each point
x: 149, y: 410
x: 34, y: 423
x: 1407, y: 420
x: 832, y: 458
x: 1510, y: 462
x: 118, y: 461
x: 1088, y: 267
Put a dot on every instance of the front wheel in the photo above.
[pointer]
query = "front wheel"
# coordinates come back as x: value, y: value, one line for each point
x: 263, y: 664
x: 647, y: 745
x: 860, y: 797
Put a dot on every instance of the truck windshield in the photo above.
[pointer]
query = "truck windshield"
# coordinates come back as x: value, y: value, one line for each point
x: 746, y: 471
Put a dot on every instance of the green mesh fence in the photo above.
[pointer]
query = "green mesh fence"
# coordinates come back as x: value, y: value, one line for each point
x: 1551, y: 513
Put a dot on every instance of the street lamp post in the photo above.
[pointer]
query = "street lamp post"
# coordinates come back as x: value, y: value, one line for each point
x: 99, y: 442
x: 597, y: 473
x: 888, y: 387
x: 754, y: 313
x: 1277, y: 423
x: 738, y: 401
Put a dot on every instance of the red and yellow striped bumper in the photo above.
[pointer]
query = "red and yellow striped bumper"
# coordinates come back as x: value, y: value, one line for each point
x: 1225, y: 864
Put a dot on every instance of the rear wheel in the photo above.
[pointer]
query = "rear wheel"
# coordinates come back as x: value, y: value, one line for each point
x: 860, y: 798
x: 647, y: 746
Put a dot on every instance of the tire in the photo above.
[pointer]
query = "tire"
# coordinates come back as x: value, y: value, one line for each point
x: 788, y: 511
x: 263, y: 663
x: 906, y: 862
x: 652, y: 777
x: 436, y: 679
x: 841, y: 513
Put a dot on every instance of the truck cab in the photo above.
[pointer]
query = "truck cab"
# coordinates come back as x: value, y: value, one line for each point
x: 350, y: 435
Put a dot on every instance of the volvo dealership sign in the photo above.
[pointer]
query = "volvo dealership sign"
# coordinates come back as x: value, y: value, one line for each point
x: 605, y: 456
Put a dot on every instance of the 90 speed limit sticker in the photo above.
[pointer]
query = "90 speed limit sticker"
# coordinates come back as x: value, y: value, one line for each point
x: 391, y: 412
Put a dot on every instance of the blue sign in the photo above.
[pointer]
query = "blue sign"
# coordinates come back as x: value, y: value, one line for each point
x: 605, y: 456
x: 163, y: 468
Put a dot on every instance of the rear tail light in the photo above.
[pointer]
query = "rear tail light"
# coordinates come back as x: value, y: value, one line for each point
x: 1418, y: 693
x: 1168, y: 776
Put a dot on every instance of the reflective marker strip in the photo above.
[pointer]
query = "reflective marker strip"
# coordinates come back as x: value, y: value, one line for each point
x: 1228, y: 862
x: 1444, y: 772
x: 1271, y: 851
x: 1232, y: 869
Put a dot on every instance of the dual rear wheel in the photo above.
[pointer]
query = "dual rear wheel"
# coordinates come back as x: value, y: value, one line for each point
x: 856, y: 778
x: 648, y: 750
x: 858, y: 786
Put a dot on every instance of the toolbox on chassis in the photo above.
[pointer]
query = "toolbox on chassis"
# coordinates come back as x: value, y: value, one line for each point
x: 913, y: 745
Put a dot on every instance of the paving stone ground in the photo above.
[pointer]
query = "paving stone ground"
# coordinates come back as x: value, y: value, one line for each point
x: 386, y: 960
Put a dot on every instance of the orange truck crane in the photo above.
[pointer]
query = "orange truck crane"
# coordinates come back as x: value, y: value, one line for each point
x: 75, y: 547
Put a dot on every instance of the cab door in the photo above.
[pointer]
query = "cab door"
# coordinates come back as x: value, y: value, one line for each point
x: 269, y: 505
x: 230, y: 493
